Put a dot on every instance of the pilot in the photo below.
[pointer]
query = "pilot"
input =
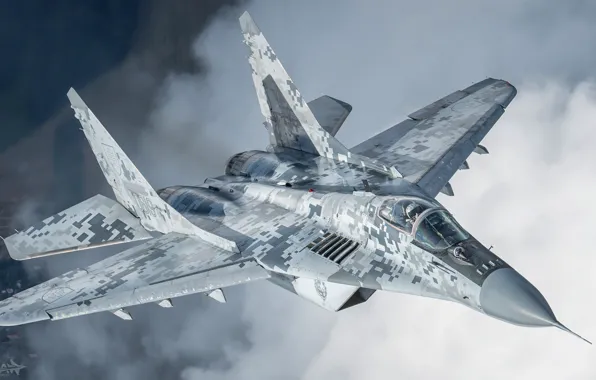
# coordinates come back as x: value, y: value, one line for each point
x: 412, y: 211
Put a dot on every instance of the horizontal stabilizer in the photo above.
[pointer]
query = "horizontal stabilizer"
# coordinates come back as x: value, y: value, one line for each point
x: 96, y: 222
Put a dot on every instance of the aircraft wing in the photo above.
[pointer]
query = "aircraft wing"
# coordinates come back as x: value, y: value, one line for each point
x: 170, y: 266
x: 430, y: 146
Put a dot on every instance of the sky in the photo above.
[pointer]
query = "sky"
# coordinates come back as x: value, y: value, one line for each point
x: 530, y: 197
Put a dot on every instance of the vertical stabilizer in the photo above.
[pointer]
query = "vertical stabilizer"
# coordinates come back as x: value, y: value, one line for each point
x: 131, y: 189
x: 288, y: 118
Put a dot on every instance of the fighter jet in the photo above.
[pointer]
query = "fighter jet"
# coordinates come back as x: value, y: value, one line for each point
x: 329, y: 223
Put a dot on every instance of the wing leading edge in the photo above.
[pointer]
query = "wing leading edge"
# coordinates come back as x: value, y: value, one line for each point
x: 430, y: 146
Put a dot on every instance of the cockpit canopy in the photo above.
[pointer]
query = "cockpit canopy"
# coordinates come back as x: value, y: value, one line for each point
x: 402, y: 213
x: 431, y: 226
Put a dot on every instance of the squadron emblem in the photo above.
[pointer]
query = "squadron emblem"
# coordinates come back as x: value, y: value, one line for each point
x: 321, y: 289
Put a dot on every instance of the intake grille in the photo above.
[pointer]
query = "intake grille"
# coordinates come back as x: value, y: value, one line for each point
x: 333, y: 247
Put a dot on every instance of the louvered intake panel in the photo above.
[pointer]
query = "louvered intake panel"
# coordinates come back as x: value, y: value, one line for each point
x: 333, y: 247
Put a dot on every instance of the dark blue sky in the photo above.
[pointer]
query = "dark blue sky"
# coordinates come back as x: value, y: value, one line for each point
x: 49, y: 46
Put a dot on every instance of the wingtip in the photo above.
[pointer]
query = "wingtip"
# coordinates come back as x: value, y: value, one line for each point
x: 75, y: 99
x: 12, y: 246
x: 15, y: 317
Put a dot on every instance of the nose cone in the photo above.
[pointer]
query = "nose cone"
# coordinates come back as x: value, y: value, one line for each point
x: 508, y: 296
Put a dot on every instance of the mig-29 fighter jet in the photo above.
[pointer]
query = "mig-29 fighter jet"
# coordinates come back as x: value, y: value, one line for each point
x: 330, y: 224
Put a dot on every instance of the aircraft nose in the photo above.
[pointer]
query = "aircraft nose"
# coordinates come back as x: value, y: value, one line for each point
x: 507, y: 295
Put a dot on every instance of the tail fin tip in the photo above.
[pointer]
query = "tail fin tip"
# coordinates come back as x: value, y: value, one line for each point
x: 75, y: 99
x: 248, y: 25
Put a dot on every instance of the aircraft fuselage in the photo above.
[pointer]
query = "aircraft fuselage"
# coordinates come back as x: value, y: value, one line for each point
x: 448, y: 264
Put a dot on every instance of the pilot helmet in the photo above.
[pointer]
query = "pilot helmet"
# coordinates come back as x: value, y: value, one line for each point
x: 412, y: 210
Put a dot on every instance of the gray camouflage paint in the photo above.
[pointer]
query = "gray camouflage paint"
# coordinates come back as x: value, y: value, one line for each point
x: 304, y: 215
x: 94, y: 222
